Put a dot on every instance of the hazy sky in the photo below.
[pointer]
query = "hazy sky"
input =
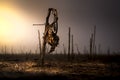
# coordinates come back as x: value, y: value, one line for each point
x: 17, y: 17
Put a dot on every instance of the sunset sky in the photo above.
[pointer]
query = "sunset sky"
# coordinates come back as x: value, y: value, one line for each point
x: 18, y: 16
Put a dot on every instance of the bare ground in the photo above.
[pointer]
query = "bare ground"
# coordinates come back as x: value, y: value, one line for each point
x: 55, y: 70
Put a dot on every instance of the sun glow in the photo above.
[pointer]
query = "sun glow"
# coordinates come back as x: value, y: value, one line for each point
x: 12, y: 26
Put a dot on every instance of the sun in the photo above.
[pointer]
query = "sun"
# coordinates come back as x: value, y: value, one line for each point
x: 12, y: 25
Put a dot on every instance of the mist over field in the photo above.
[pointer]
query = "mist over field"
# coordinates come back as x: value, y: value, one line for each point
x: 18, y: 16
